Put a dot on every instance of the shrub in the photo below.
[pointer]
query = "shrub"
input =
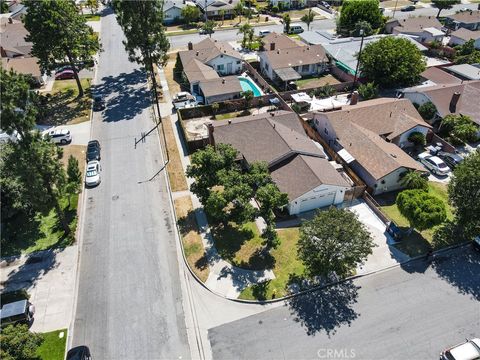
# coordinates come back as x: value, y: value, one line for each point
x: 417, y: 138
x: 368, y: 91
x: 427, y: 110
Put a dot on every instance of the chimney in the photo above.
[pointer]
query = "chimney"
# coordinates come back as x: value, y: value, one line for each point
x: 354, y: 98
x: 190, y: 45
x: 10, y: 20
x: 211, y: 139
x: 272, y: 46
x: 454, y: 101
x: 223, y: 81
x: 229, y: 121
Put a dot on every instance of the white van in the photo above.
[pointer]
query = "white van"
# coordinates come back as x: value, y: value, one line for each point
x: 295, y: 29
x: 263, y: 33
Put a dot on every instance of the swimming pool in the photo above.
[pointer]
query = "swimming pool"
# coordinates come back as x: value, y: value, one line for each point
x: 248, y: 84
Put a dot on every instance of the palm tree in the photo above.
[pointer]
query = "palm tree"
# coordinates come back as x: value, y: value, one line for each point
x: 308, y: 18
x: 248, y: 96
x: 246, y: 30
x: 208, y: 27
x: 238, y: 10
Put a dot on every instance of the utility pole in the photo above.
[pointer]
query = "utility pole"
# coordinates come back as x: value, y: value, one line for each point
x: 395, y: 8
x: 358, y: 61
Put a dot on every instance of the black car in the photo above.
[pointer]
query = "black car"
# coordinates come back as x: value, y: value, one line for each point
x: 408, y: 8
x: 98, y: 103
x: 79, y: 353
x: 451, y: 159
x: 93, y: 150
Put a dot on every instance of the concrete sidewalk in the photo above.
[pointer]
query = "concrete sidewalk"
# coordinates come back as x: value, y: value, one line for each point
x: 49, y: 278
x: 224, y: 278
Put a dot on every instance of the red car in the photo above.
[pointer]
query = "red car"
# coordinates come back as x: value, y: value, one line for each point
x: 66, y: 74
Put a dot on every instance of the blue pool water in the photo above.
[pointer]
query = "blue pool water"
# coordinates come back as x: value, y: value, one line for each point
x: 247, y: 84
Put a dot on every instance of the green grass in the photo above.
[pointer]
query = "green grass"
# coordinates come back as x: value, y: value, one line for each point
x: 295, y: 36
x: 24, y: 234
x: 182, y: 32
x: 90, y: 17
x: 287, y: 265
x: 53, y: 347
x: 418, y: 243
x: 232, y: 115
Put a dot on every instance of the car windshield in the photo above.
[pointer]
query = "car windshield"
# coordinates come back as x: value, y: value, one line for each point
x: 92, y: 148
x: 91, y: 173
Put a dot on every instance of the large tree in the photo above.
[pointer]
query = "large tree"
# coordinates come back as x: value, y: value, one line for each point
x: 270, y: 198
x: 444, y: 4
x: 467, y: 53
x: 354, y: 11
x: 245, y: 30
x: 464, y: 193
x: 74, y: 178
x: 59, y: 32
x: 392, y: 62
x: 190, y: 14
x: 422, y: 210
x: 308, y: 18
x: 414, y: 180
x: 460, y: 128
x: 286, y: 23
x: 18, y: 105
x: 19, y: 344
x: 333, y: 241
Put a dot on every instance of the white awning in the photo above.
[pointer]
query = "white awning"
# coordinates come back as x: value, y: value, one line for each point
x: 346, y: 156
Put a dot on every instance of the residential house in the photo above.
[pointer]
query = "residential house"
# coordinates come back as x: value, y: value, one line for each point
x: 369, y: 136
x: 26, y: 66
x: 288, y: 4
x: 220, y: 89
x: 172, y: 10
x: 426, y: 28
x: 214, y: 8
x: 462, y: 35
x: 465, y: 71
x: 465, y: 19
x: 437, y: 76
x: 287, y: 62
x: 207, y: 60
x: 297, y: 164
x: 449, y: 98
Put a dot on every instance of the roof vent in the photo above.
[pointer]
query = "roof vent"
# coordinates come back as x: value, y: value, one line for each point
x: 223, y: 81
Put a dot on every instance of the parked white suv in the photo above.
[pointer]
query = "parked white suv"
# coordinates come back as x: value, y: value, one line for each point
x: 434, y: 164
x: 467, y: 350
x: 59, y: 136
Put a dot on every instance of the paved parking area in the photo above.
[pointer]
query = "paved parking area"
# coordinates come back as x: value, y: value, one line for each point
x: 49, y: 278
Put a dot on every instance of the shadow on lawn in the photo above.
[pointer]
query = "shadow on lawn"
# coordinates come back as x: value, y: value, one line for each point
x: 64, y: 106
x: 326, y: 309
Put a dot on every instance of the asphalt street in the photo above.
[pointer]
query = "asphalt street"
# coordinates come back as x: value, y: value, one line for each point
x: 181, y: 41
x: 129, y: 297
x: 411, y: 313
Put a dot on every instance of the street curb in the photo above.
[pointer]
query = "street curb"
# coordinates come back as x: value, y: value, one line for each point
x: 186, y: 32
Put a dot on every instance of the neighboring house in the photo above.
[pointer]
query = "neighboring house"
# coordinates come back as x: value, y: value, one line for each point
x: 436, y: 76
x: 25, y: 65
x: 465, y: 71
x: 220, y: 89
x: 286, y: 62
x: 172, y: 10
x: 214, y: 8
x: 288, y: 4
x: 449, y: 98
x: 427, y: 28
x: 369, y: 136
x: 462, y: 35
x: 207, y: 60
x: 297, y: 164
x: 465, y: 19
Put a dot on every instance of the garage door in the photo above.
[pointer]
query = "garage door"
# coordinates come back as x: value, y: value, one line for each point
x: 317, y: 201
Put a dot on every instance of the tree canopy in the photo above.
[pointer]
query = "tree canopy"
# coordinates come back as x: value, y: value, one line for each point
x: 392, y: 62
x: 421, y: 209
x: 444, y: 4
x: 59, y: 32
x: 467, y: 53
x: 190, y: 14
x: 464, y: 193
x: 18, y: 343
x: 308, y: 18
x: 142, y: 24
x: 354, y: 11
x: 286, y: 23
x: 427, y: 110
x: 333, y: 241
x: 460, y: 128
x: 414, y: 180
x: 368, y: 91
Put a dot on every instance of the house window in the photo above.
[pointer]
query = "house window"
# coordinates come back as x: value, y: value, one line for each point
x: 220, y: 67
x: 238, y: 62
x: 305, y: 68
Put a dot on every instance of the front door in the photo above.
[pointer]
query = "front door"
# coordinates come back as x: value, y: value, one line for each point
x: 229, y: 68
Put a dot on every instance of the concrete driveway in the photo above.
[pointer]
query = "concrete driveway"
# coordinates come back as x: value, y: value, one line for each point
x: 49, y: 278
x: 384, y: 254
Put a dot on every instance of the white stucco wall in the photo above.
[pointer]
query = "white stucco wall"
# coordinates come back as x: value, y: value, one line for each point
x: 316, y: 198
x: 389, y: 182
x: 225, y: 60
x: 172, y: 14
x: 263, y: 60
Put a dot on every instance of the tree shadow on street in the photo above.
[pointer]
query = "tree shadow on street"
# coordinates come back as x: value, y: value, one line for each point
x: 325, y: 309
x: 126, y: 95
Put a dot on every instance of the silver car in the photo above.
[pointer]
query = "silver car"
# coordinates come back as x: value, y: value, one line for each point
x: 468, y: 350
x: 59, y: 136
x: 434, y: 164
x: 92, y: 173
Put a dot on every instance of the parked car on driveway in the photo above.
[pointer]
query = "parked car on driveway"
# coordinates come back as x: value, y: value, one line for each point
x: 451, y: 159
x: 468, y: 350
x: 66, y: 74
x: 434, y: 164
x: 408, y: 8
x: 18, y: 312
x: 93, y: 150
x: 92, y: 173
x: 59, y: 136
x: 183, y: 99
x: 79, y: 353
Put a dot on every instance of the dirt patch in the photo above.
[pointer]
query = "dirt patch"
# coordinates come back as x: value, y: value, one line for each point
x: 317, y: 82
x: 78, y: 152
x: 173, y: 85
x: 191, y: 239
x: 176, y: 175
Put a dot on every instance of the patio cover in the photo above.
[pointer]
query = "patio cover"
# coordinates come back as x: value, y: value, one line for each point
x: 325, y: 104
x: 287, y: 74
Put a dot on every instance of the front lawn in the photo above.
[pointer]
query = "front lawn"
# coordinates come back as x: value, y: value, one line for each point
x: 64, y: 107
x: 90, y: 17
x: 286, y: 266
x: 53, y: 347
x: 416, y: 243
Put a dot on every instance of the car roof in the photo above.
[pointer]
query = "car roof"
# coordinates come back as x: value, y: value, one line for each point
x: 465, y: 351
x: 436, y: 160
x: 14, y: 308
x: 91, y: 164
x: 59, y: 132
x: 77, y: 352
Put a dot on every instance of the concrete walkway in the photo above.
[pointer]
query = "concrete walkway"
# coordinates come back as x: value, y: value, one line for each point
x: 224, y: 278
